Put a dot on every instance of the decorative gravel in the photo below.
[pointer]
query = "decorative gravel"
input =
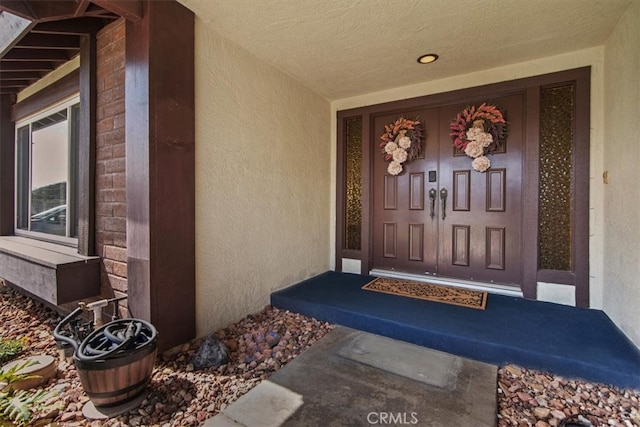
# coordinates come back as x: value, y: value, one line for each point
x: 531, y: 398
x: 179, y: 395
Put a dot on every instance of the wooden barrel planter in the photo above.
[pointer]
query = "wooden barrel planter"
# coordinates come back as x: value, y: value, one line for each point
x: 115, y: 381
x: 115, y: 362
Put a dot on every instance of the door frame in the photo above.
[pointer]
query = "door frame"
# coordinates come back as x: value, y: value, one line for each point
x: 530, y: 86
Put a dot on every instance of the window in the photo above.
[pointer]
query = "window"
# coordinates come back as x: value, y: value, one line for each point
x: 46, y: 173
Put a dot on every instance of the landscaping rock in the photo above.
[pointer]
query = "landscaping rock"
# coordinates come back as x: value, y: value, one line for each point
x: 211, y: 354
x: 262, y: 343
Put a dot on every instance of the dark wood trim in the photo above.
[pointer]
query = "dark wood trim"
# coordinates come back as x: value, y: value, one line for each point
x: 581, y: 78
x: 557, y: 276
x: 60, y: 89
x: 17, y: 8
x: 160, y: 165
x: 530, y: 190
x: 367, y: 196
x: 41, y: 41
x: 131, y: 10
x: 79, y: 26
x: 340, y: 193
x: 364, y: 251
x: 7, y: 166
x: 19, y: 66
x: 581, y: 186
x: 470, y: 95
x: 351, y: 253
x: 87, y: 146
x: 56, y: 56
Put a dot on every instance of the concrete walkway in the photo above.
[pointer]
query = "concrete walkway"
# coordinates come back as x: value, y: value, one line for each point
x: 353, y: 378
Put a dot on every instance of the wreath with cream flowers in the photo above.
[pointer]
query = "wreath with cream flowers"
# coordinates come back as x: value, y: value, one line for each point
x: 478, y: 132
x: 401, y: 142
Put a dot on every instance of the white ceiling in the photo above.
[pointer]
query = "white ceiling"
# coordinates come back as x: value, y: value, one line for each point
x: 342, y: 48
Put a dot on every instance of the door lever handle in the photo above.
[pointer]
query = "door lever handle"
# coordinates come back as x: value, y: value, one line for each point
x: 443, y: 202
x: 432, y: 202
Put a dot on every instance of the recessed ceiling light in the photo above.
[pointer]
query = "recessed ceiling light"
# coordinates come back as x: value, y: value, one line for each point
x: 428, y: 58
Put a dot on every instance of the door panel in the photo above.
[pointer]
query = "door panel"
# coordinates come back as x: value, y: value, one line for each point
x: 405, y: 235
x: 476, y: 232
x: 486, y: 208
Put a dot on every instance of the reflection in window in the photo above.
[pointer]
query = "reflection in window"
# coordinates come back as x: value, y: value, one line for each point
x: 46, y: 151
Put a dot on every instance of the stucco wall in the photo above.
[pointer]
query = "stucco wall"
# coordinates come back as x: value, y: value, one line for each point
x: 622, y: 195
x: 589, y: 57
x: 262, y: 181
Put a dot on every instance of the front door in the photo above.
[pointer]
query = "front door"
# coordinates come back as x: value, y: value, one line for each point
x: 439, y: 216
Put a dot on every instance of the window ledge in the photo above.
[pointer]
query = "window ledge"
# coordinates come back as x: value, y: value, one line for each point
x: 55, y: 273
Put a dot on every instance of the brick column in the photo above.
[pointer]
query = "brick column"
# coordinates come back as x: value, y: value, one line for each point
x: 111, y: 206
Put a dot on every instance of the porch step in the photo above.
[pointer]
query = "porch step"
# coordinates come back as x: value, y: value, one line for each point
x: 569, y: 341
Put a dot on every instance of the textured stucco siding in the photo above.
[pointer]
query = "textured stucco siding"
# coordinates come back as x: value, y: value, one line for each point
x: 262, y: 181
x: 621, y: 253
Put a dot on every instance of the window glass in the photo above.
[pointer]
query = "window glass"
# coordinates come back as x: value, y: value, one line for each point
x: 353, y: 184
x: 47, y: 173
x: 556, y: 178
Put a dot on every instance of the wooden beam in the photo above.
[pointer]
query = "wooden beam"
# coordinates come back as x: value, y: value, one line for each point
x: 36, y: 55
x: 81, y: 8
x: 87, y: 146
x: 14, y: 83
x: 7, y: 165
x: 13, y: 75
x: 77, y: 26
x: 49, y: 41
x: 44, y: 66
x: 41, y: 11
x: 131, y: 10
x: 18, y: 8
x: 160, y: 164
x: 60, y: 89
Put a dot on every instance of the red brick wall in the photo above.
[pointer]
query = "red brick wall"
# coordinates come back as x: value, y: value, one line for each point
x: 111, y: 207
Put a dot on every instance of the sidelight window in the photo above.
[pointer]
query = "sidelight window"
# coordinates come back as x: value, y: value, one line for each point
x: 353, y: 184
x: 556, y: 181
x: 46, y: 173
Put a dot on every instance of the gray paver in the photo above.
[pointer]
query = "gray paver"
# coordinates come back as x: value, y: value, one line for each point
x: 352, y: 378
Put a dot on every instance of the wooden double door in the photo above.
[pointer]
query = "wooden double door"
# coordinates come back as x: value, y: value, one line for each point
x: 439, y: 217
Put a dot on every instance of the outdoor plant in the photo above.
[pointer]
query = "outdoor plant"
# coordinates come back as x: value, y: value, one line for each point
x: 9, y: 349
x: 18, y: 405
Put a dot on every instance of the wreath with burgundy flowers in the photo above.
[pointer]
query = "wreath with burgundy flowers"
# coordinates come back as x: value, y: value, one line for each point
x: 401, y: 142
x: 478, y: 132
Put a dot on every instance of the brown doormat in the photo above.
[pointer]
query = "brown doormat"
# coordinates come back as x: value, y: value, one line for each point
x: 429, y: 291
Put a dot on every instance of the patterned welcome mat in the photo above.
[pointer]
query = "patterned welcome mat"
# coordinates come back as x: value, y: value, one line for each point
x: 429, y: 291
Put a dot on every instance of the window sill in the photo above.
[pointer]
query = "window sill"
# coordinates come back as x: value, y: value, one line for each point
x: 54, y: 273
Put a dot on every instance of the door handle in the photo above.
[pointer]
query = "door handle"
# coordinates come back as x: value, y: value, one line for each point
x: 432, y: 202
x: 443, y: 202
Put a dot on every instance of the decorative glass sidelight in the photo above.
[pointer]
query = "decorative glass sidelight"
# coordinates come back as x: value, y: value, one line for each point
x: 555, y: 226
x: 353, y: 184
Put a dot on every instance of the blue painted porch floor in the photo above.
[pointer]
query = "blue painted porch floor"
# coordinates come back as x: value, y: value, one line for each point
x: 569, y: 341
